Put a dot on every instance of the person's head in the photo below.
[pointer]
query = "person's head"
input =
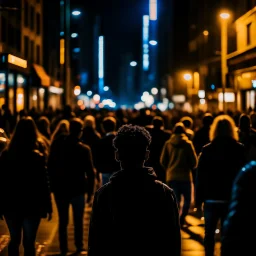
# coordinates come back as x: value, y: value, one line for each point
x: 109, y: 124
x: 223, y: 126
x: 43, y: 125
x: 131, y: 143
x: 187, y: 121
x: 61, y: 128
x: 89, y: 121
x: 76, y: 127
x: 244, y: 123
x: 25, y: 136
x: 158, y: 122
x: 207, y: 119
x: 253, y: 119
x: 179, y: 128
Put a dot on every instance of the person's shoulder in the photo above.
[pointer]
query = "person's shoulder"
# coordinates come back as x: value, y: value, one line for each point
x: 84, y: 146
x: 166, y: 189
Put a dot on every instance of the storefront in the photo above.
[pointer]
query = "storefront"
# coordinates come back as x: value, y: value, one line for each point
x: 14, y: 77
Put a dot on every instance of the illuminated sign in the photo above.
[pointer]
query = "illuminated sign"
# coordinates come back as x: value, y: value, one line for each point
x: 17, y: 61
x: 153, y: 9
x: 55, y: 90
x: 229, y: 97
x: 178, y: 98
x: 101, y: 57
x: 62, y: 51
x: 145, y: 42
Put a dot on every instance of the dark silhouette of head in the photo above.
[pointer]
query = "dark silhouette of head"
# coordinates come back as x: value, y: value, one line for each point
x: 131, y: 144
x: 187, y: 121
x: 244, y: 123
x: 158, y: 122
x: 179, y: 128
x: 253, y: 119
x: 76, y: 127
x: 43, y: 126
x: 207, y: 119
x: 109, y: 124
x: 25, y: 136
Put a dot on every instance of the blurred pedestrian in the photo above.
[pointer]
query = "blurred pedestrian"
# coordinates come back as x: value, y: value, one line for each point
x: 134, y: 213
x: 188, y: 123
x: 25, y: 192
x: 179, y: 159
x: 62, y: 128
x: 237, y: 238
x: 105, y: 162
x: 159, y: 136
x: 219, y: 163
x: 72, y: 181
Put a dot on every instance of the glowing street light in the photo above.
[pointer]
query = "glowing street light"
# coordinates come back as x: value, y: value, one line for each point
x: 74, y: 35
x: 206, y: 33
x: 187, y: 77
x: 76, y: 13
x: 225, y: 15
x: 133, y: 63
x: 224, y: 51
x: 153, y: 42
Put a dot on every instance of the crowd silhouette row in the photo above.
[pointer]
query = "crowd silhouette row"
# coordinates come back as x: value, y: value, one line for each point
x: 142, y: 172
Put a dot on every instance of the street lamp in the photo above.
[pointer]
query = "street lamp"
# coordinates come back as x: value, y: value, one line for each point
x: 187, y: 77
x: 76, y: 13
x: 133, y: 63
x: 224, y: 16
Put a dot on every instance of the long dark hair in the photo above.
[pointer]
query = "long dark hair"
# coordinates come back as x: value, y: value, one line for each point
x: 25, y: 136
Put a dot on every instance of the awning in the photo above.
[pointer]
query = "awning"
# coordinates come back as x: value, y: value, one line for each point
x: 45, y: 79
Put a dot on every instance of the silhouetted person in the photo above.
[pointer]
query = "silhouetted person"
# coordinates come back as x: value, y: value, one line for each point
x: 219, y: 163
x: 188, y: 123
x: 134, y: 214
x: 25, y: 193
x: 105, y: 162
x: 159, y: 136
x: 201, y: 136
x: 72, y: 177
x: 179, y: 158
x: 238, y: 229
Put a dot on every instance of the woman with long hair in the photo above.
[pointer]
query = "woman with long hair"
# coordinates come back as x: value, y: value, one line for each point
x: 62, y: 128
x: 219, y: 163
x: 25, y: 193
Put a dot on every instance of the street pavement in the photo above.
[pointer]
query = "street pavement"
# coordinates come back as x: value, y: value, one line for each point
x: 47, y: 237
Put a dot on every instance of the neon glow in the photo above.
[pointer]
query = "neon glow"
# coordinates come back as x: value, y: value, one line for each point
x: 76, y: 13
x: 101, y: 57
x: 145, y: 42
x: 153, y: 9
x: 153, y: 42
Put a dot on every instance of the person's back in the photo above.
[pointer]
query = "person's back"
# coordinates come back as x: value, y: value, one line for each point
x: 134, y: 214
x: 239, y: 220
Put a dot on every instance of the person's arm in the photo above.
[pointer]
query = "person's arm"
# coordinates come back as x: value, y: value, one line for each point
x: 90, y: 172
x: 192, y: 156
x: 174, y: 223
x: 164, y: 158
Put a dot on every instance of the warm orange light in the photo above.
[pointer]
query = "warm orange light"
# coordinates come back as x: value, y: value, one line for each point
x: 17, y: 61
x: 62, y: 51
x: 225, y: 15
x: 206, y: 33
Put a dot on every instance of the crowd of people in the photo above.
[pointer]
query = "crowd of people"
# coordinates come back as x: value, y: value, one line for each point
x: 142, y: 171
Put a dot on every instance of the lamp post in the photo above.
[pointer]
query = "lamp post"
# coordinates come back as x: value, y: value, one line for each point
x: 224, y: 50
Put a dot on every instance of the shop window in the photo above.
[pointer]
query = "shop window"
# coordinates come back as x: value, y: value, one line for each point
x: 38, y: 57
x: 3, y: 29
x: 26, y: 16
x: 2, y: 88
x: 248, y: 28
x: 38, y: 24
x: 26, y: 47
x: 32, y: 50
x: 32, y: 17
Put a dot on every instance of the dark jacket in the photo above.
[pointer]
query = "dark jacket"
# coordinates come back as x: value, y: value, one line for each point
x: 219, y: 163
x: 70, y: 167
x: 134, y: 214
x: 237, y: 238
x: 105, y: 161
x: 24, y: 185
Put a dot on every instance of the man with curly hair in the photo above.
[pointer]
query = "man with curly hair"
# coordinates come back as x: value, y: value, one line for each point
x: 134, y: 213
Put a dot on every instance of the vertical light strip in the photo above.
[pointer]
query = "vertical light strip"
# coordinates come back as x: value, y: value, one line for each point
x: 145, y: 46
x: 101, y: 57
x: 153, y: 9
x: 62, y: 51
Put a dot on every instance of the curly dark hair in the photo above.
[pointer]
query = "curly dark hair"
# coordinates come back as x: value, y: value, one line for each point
x: 132, y: 141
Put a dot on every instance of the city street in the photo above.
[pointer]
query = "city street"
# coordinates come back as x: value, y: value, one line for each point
x: 47, y: 238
